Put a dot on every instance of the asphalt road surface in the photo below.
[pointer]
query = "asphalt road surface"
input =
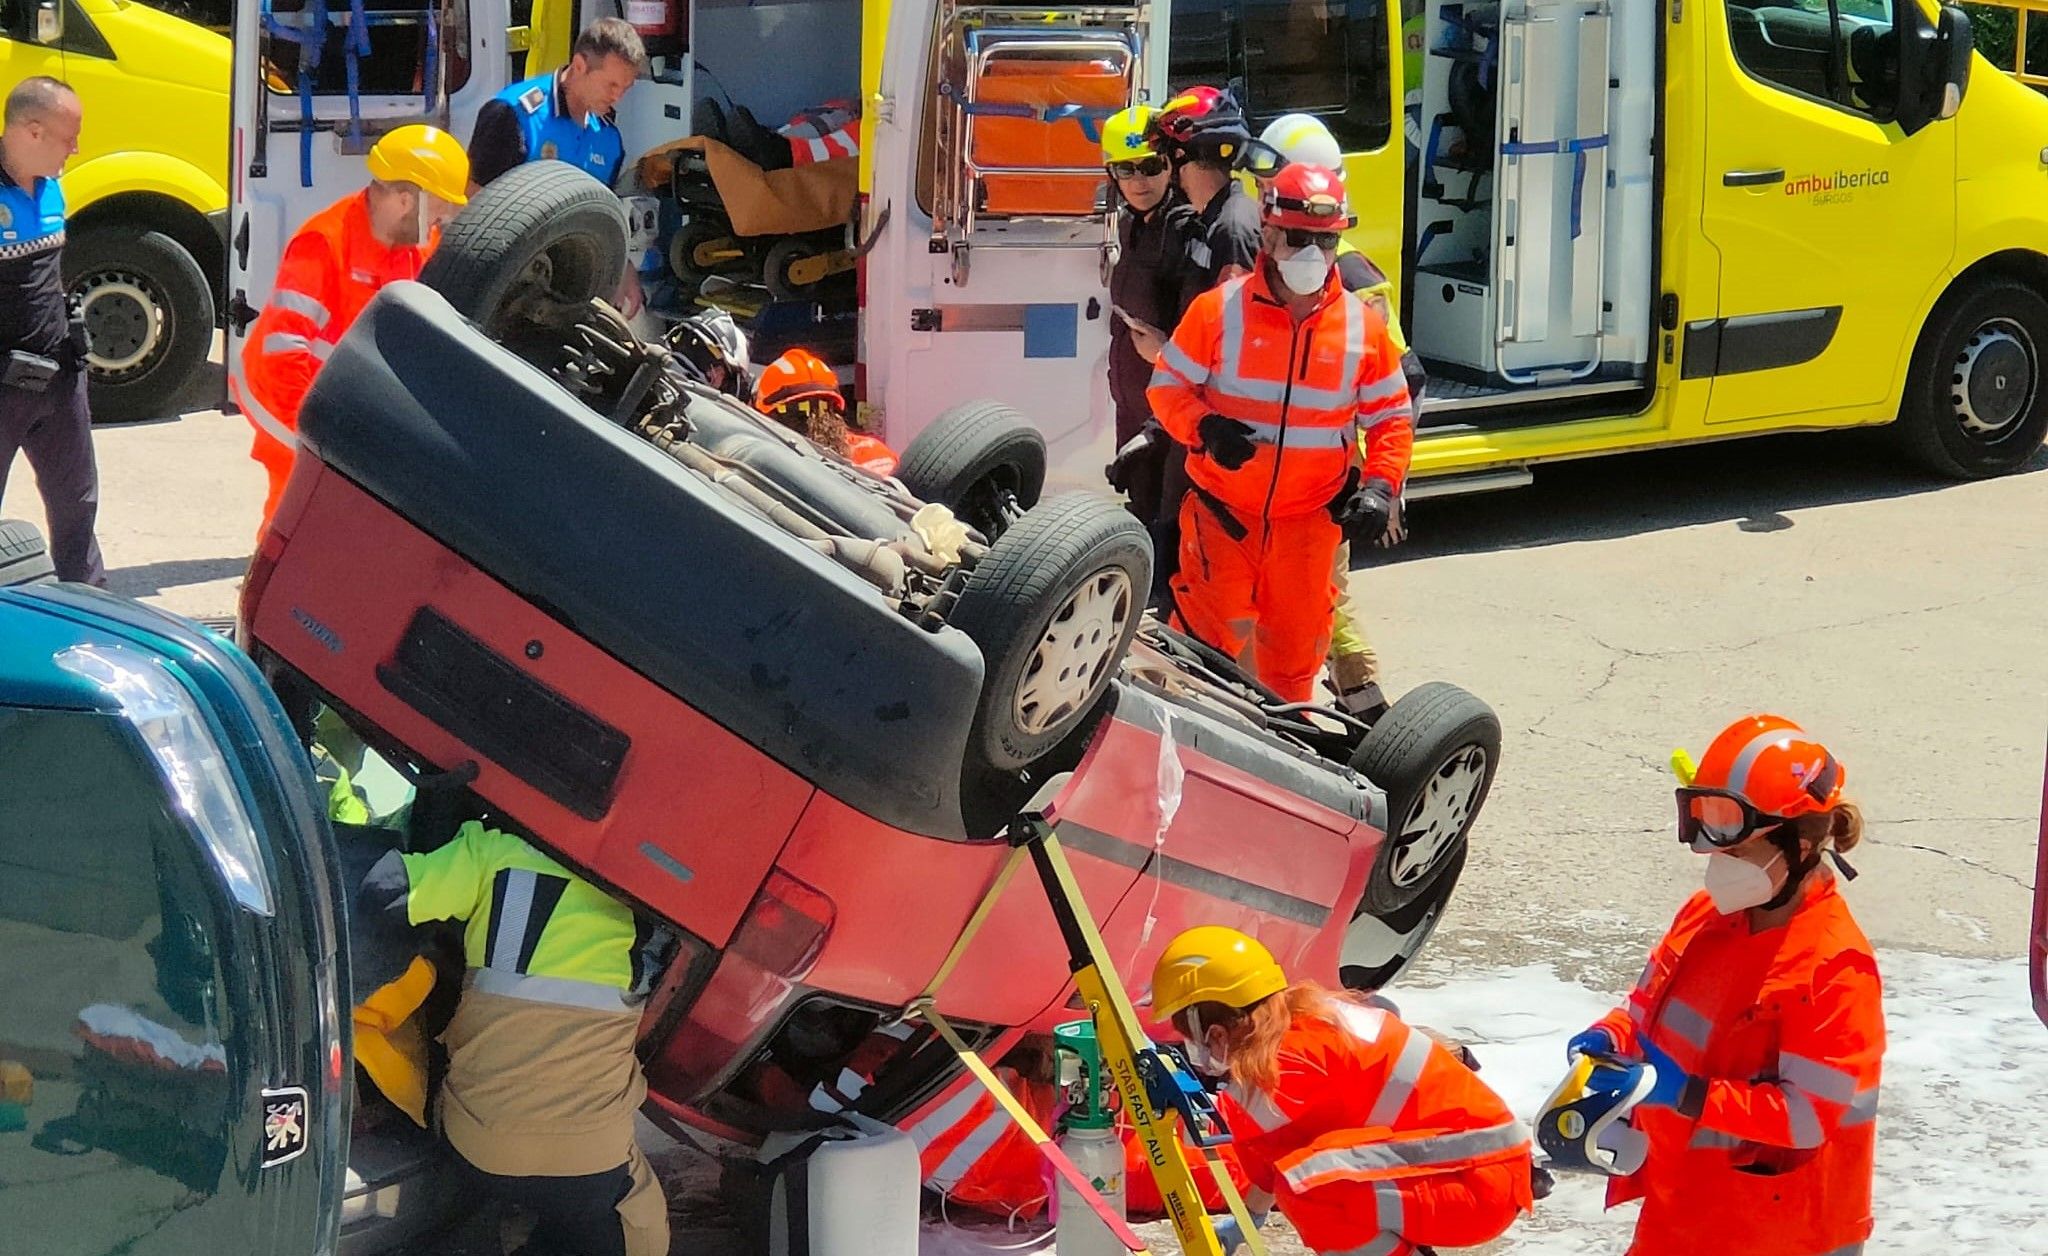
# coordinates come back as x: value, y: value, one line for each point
x: 1615, y: 609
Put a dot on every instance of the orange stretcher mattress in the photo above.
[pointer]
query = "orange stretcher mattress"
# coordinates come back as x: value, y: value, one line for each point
x: 998, y: 141
x: 759, y: 202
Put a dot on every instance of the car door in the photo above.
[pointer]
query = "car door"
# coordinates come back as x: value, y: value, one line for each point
x: 301, y: 135
x: 171, y: 1030
x: 1832, y: 224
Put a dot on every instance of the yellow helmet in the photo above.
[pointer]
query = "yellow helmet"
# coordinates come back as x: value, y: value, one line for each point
x: 1212, y: 964
x: 425, y: 156
x: 1124, y: 135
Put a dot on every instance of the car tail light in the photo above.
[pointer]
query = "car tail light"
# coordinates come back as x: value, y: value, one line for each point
x: 785, y: 928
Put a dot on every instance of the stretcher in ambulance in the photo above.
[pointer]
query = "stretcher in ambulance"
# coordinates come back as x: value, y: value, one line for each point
x: 1587, y: 266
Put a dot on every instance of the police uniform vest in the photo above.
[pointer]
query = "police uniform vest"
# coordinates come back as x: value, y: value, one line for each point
x: 591, y: 145
x: 32, y: 304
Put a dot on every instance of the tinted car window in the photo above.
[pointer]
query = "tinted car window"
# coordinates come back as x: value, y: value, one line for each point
x: 1325, y: 57
x: 115, y: 1092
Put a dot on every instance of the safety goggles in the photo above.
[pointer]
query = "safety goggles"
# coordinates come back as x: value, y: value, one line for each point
x: 1719, y: 819
x: 1261, y: 160
x: 1299, y: 239
x: 1143, y: 168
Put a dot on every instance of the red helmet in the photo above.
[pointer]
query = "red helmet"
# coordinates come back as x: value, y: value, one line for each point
x: 1306, y: 198
x: 798, y: 375
x: 1761, y: 770
x: 1202, y: 122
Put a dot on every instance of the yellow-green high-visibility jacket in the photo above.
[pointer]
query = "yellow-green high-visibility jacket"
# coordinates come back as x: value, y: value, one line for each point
x: 532, y: 929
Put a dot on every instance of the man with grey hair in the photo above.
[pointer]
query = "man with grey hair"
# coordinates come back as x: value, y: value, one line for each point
x: 42, y: 336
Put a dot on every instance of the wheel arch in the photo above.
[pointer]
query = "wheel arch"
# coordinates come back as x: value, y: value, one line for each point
x: 147, y: 210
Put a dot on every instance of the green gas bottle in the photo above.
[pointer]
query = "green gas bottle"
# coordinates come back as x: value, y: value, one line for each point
x: 1088, y: 1137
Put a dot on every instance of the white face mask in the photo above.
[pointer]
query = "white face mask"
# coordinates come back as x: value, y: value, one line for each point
x: 1208, y: 1063
x: 1735, y: 884
x: 1306, y: 271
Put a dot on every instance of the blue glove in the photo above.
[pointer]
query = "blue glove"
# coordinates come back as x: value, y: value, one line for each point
x: 1671, y: 1081
x: 1230, y: 1235
x: 1594, y: 1041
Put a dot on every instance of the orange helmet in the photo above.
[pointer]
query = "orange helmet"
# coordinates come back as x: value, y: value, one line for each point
x: 798, y: 375
x: 1761, y: 771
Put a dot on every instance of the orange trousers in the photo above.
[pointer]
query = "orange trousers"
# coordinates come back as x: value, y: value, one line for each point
x: 1271, y: 587
x: 276, y: 460
x: 1455, y: 1208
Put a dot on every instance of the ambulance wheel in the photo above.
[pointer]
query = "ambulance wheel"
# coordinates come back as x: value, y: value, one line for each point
x: 541, y: 233
x: 149, y: 318
x: 775, y: 268
x: 1053, y: 607
x: 982, y: 460
x: 1434, y: 753
x: 1976, y: 405
x: 24, y: 558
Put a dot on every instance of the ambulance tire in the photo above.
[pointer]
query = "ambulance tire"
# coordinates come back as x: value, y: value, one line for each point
x: 544, y: 228
x: 1435, y: 753
x: 982, y: 460
x: 1053, y: 606
x: 1976, y: 401
x: 24, y: 558
x: 149, y: 317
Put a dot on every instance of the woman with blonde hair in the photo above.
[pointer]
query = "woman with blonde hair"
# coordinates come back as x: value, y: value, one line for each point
x: 1760, y: 1015
x: 1368, y: 1135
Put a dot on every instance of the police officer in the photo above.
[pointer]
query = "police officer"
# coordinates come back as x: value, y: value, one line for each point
x: 566, y: 116
x: 542, y: 1082
x: 42, y: 338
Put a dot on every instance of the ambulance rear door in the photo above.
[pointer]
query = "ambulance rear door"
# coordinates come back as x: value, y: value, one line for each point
x: 987, y: 275
x: 316, y: 83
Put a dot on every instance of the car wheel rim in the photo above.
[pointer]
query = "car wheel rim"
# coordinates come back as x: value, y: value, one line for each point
x: 1995, y: 378
x: 1438, y: 817
x: 124, y: 321
x: 1074, y: 651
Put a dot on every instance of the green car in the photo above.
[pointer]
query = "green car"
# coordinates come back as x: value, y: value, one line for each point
x: 175, y: 1058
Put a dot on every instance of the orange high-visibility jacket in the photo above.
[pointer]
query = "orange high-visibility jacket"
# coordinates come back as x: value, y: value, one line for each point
x: 1786, y: 1028
x: 1312, y: 394
x: 970, y: 1150
x: 330, y: 270
x: 1368, y: 1100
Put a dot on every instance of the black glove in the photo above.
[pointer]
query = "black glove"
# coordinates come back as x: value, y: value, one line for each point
x: 1132, y: 453
x: 1228, y: 441
x: 1363, y: 510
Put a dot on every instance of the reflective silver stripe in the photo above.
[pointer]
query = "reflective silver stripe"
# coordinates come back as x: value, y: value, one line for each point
x: 1688, y: 1024
x: 1299, y: 436
x: 1259, y: 1106
x: 1230, y: 362
x: 1801, y: 1117
x: 289, y: 342
x: 1388, y: 389
x: 265, y: 421
x: 1738, y: 775
x: 945, y: 1117
x: 1399, y: 412
x: 1406, y: 1153
x: 1854, y: 1249
x: 1862, y: 1109
x: 565, y: 991
x: 302, y: 305
x: 1704, y: 1137
x: 1386, y: 1201
x: 1820, y: 1080
x: 1401, y: 1080
x: 1383, y: 1245
x: 1175, y: 359
x: 508, y: 926
x: 972, y: 1148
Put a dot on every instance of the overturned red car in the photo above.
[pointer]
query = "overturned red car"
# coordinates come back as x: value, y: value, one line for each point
x: 785, y: 708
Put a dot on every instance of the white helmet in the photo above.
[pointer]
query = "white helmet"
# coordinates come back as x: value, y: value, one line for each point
x: 1301, y: 138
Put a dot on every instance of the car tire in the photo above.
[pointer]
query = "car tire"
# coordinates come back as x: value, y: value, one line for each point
x: 1053, y: 606
x: 1434, y: 753
x: 24, y: 558
x: 1976, y: 402
x: 982, y: 460
x: 149, y: 315
x: 542, y: 229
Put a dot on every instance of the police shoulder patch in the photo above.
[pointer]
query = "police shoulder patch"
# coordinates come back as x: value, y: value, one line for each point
x: 533, y: 98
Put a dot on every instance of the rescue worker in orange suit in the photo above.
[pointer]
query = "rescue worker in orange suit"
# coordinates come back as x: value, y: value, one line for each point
x: 1761, y: 1015
x: 800, y: 392
x: 1270, y: 381
x: 1366, y: 1133
x: 419, y: 178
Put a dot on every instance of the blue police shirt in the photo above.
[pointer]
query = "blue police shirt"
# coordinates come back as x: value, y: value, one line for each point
x: 33, y: 312
x: 529, y: 122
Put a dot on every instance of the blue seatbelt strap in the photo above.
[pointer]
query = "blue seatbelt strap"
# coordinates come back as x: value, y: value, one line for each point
x: 356, y: 45
x: 430, y: 89
x: 1577, y: 149
x: 311, y: 37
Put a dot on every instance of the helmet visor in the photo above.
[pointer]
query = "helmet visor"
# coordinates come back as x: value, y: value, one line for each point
x: 1262, y: 160
x: 1718, y: 819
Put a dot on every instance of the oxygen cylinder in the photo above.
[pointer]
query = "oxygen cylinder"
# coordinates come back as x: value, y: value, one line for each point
x: 1089, y: 1138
